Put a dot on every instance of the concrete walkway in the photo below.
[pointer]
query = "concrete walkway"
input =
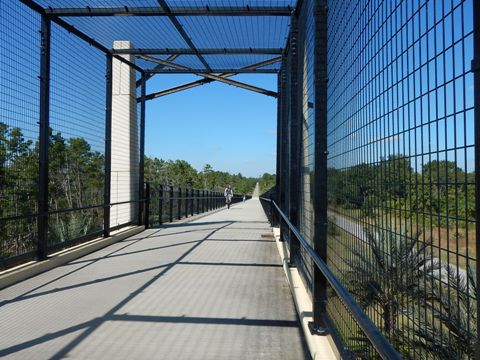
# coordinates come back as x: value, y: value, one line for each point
x: 212, y: 288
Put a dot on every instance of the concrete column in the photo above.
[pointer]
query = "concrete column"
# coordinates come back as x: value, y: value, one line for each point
x: 125, y: 146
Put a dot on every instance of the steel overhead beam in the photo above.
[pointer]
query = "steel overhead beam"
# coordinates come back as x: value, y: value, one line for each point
x: 207, y: 81
x: 205, y: 72
x: 158, y: 67
x: 172, y: 11
x: 225, y: 51
x: 181, y: 31
x: 70, y: 28
x: 213, y: 77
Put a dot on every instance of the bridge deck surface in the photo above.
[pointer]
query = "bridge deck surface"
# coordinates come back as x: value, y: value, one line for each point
x: 213, y: 288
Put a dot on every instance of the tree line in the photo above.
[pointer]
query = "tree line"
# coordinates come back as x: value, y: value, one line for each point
x: 440, y: 188
x: 76, y: 180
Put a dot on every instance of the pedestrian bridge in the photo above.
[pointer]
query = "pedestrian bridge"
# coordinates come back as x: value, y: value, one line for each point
x: 375, y: 203
x: 210, y: 287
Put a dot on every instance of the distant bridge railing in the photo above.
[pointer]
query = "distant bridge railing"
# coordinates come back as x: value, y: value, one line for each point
x: 166, y: 203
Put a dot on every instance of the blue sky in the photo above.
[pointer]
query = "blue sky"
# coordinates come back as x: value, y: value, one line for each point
x: 229, y: 128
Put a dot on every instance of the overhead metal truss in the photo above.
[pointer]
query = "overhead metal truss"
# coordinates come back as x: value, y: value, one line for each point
x: 62, y: 16
x: 211, y: 76
x: 193, y: 84
x: 211, y: 51
x: 188, y: 70
x: 173, y: 11
x: 181, y: 31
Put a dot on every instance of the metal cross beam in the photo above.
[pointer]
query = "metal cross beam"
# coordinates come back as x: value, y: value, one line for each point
x: 207, y: 81
x: 213, y: 77
x: 172, y: 11
x: 225, y: 51
x: 158, y: 67
x: 204, y: 72
x: 181, y: 31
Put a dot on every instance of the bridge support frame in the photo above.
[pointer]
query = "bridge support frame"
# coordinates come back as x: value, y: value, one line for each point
x: 320, y: 195
x: 44, y: 137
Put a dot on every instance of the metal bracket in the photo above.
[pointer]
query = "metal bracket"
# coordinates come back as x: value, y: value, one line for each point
x: 475, y: 65
x: 317, y: 329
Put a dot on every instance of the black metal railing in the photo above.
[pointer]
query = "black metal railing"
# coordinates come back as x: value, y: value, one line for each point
x: 166, y: 203
x: 160, y: 204
x: 372, y: 332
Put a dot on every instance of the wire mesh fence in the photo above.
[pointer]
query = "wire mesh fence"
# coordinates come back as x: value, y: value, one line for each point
x: 18, y: 129
x: 401, y: 171
x: 53, y: 138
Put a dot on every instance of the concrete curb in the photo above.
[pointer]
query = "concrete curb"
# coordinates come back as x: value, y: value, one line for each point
x: 321, y: 347
x: 15, y: 275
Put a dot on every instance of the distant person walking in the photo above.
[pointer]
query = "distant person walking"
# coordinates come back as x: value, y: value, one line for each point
x: 228, y: 193
x: 244, y: 198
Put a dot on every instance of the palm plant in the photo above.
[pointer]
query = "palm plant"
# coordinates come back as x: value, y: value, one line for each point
x: 448, y: 329
x: 387, y: 273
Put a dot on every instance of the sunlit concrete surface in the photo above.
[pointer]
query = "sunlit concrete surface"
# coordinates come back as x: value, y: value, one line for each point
x: 212, y: 288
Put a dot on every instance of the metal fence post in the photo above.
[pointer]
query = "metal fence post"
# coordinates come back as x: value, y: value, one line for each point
x: 197, y: 192
x: 108, y: 147
x: 160, y: 205
x: 294, y: 139
x: 192, y: 204
x: 284, y: 147
x: 170, y: 200
x: 147, y: 206
x: 141, y: 171
x: 279, y: 137
x: 320, y: 175
x: 179, y: 202
x: 187, y: 202
x: 44, y: 137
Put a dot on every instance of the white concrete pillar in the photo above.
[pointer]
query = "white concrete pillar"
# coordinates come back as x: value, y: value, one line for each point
x: 125, y: 146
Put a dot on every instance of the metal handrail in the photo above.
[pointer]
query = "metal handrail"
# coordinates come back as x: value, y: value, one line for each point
x: 377, y: 339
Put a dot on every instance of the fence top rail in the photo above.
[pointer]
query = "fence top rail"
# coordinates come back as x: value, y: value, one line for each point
x: 90, y: 11
x: 377, y: 339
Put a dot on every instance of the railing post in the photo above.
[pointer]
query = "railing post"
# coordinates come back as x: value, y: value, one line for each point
x: 160, y: 205
x: 271, y: 210
x: 141, y: 172
x: 44, y: 137
x: 282, y: 201
x: 320, y: 175
x: 187, y: 203
x: 170, y: 200
x: 192, y: 202
x: 147, y: 206
x: 198, y: 201
x: 203, y: 201
x: 294, y: 190
x: 179, y: 202
x: 108, y: 147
